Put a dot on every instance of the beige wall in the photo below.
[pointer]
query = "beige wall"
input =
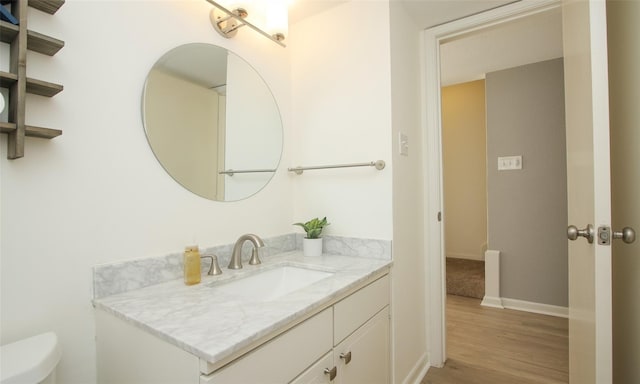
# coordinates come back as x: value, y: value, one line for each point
x: 528, y: 208
x: 464, y: 170
x: 191, y: 107
x: 624, y: 93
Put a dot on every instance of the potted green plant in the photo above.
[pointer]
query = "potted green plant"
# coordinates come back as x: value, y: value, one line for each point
x: 312, y: 243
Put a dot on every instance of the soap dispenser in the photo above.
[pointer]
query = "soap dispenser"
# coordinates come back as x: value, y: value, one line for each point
x: 191, y: 265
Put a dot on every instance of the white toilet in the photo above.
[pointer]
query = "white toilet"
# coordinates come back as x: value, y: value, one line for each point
x: 30, y: 361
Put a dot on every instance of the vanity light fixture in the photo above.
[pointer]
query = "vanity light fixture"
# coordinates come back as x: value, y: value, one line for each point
x: 227, y: 22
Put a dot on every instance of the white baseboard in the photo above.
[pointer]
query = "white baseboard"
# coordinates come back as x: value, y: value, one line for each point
x: 492, y: 301
x: 418, y: 371
x: 492, y: 277
x: 492, y: 292
x: 528, y: 306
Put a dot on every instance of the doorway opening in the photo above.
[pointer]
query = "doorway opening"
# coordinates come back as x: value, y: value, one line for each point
x: 500, y: 56
x: 464, y: 170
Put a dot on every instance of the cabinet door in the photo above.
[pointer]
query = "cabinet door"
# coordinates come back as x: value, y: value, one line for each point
x: 317, y: 373
x: 363, y: 357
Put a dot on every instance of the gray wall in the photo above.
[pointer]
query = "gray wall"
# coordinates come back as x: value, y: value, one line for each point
x: 528, y: 208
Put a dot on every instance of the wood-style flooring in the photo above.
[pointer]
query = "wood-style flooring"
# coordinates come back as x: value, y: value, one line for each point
x: 496, y: 346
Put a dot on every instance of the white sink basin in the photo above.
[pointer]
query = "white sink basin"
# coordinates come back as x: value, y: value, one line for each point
x: 272, y: 283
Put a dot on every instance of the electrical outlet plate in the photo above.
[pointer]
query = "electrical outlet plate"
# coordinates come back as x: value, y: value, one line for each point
x: 506, y: 163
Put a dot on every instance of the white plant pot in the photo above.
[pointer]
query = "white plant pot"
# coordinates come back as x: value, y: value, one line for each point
x: 312, y: 247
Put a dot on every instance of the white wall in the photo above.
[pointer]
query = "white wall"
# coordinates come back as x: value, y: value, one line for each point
x: 355, y: 87
x: 342, y: 114
x: 96, y: 194
x: 254, y: 137
x: 409, y: 292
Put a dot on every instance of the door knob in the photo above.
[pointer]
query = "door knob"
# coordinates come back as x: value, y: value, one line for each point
x: 588, y: 233
x: 628, y: 235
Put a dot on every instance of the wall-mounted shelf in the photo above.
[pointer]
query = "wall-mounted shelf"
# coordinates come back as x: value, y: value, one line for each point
x: 34, y: 86
x: 36, y: 42
x: 48, y: 6
x: 31, y: 131
x: 16, y: 81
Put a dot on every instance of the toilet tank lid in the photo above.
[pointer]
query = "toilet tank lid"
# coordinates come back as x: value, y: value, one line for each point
x: 29, y: 360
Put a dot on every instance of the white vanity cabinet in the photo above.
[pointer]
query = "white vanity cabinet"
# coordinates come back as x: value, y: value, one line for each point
x: 347, y: 341
x: 361, y: 340
x: 361, y: 358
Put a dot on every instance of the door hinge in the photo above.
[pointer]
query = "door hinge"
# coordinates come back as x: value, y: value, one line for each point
x: 439, y: 216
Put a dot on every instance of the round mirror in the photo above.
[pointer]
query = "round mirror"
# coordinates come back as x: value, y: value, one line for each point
x: 212, y: 122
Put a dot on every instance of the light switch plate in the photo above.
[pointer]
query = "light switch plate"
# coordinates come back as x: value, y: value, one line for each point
x: 506, y: 163
x: 403, y: 142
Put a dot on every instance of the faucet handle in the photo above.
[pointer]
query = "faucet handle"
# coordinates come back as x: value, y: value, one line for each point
x: 214, y: 269
x: 255, y: 260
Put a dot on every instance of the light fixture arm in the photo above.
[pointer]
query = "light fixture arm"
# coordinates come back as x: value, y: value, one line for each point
x: 227, y: 22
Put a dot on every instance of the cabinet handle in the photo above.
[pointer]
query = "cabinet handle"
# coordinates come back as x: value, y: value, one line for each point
x: 331, y: 372
x: 346, y: 357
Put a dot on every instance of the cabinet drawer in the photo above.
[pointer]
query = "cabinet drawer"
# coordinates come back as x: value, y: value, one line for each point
x: 316, y: 373
x: 281, y: 359
x: 355, y: 310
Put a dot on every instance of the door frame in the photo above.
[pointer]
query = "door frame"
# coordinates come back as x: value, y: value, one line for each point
x: 432, y: 143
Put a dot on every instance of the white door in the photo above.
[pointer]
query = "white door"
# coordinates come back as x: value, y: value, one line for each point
x: 588, y: 189
x: 623, y: 31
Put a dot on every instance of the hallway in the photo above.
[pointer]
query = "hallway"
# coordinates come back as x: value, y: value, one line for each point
x: 488, y: 345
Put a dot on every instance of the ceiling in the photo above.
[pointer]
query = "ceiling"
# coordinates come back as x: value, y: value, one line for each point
x: 429, y: 13
x: 198, y: 63
x: 426, y: 13
x: 524, y: 41
x: 470, y: 57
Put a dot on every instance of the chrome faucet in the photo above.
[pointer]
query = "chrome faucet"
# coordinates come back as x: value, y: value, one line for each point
x: 214, y: 268
x: 236, y: 255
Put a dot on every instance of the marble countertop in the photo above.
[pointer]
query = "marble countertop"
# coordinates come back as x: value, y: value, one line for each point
x: 213, y: 326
